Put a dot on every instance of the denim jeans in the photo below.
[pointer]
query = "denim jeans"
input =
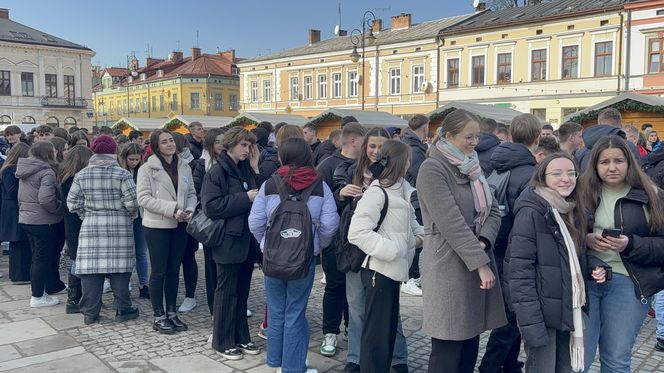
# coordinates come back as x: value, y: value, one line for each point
x: 288, y: 329
x: 356, y: 296
x: 616, y: 316
x: 141, y: 247
x: 659, y: 311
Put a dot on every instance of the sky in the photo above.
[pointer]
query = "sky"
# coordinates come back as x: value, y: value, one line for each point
x: 115, y: 29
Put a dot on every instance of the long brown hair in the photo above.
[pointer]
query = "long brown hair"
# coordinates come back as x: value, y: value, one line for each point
x: 363, y: 160
x: 397, y: 155
x: 591, y: 184
x: 75, y: 159
x: 131, y: 148
x: 44, y: 151
x: 19, y: 150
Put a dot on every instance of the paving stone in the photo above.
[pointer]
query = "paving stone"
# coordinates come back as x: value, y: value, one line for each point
x: 44, y: 360
x: 66, y: 321
x: 8, y: 352
x: 134, y: 366
x: 16, y: 292
x: 24, y: 330
x: 83, y: 362
x: 27, y: 313
x: 193, y: 363
x: 46, y: 344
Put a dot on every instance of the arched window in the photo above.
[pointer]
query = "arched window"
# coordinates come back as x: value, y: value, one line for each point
x: 28, y: 120
x: 69, y: 121
x: 52, y: 121
x: 5, y: 119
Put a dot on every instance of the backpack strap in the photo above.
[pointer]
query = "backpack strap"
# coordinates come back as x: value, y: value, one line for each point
x: 284, y: 193
x: 281, y: 187
x: 383, y: 211
x: 304, y: 194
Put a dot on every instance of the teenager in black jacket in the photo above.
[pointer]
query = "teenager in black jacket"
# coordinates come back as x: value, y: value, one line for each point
x: 617, y: 195
x: 229, y: 188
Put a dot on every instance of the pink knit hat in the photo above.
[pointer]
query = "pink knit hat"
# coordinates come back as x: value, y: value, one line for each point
x: 104, y: 144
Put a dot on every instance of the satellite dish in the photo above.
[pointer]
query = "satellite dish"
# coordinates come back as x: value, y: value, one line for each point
x: 356, y: 79
x: 425, y: 86
x: 476, y: 3
x: 134, y: 73
x: 336, y: 30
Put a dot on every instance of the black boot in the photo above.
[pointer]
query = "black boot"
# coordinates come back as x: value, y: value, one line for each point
x: 175, y: 320
x: 74, y: 294
x: 126, y: 315
x: 144, y: 292
x: 162, y: 324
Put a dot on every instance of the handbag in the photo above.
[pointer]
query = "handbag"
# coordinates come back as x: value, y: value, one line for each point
x: 207, y: 231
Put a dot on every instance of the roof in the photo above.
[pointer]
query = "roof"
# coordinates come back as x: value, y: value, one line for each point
x: 141, y: 124
x: 593, y: 111
x: 116, y: 71
x: 532, y: 13
x: 204, y: 65
x: 366, y: 118
x: 499, y: 114
x: 257, y: 117
x: 208, y: 121
x: 14, y: 32
x: 424, y: 30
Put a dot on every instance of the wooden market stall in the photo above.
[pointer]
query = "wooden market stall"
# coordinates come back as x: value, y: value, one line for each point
x: 636, y: 109
x: 250, y: 120
x: 497, y: 113
x: 180, y: 123
x: 330, y: 120
x: 145, y: 125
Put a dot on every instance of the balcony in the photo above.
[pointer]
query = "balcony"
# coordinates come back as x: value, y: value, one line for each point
x: 63, y: 102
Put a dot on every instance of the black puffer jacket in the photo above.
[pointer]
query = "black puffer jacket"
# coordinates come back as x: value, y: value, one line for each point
x: 224, y: 196
x: 654, y: 166
x: 268, y: 163
x: 196, y: 147
x: 521, y: 163
x: 329, y: 165
x: 323, y: 151
x: 644, y: 255
x: 488, y: 143
x: 592, y: 135
x: 536, y: 270
x: 418, y: 155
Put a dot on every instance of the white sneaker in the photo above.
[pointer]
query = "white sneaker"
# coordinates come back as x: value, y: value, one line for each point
x: 323, y: 280
x: 418, y: 282
x: 309, y: 370
x: 187, y: 305
x: 329, y: 346
x: 411, y: 288
x: 130, y: 287
x: 107, y: 287
x: 44, y: 301
x: 209, y: 341
x: 249, y: 313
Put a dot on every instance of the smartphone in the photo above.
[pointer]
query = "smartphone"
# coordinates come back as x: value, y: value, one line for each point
x: 611, y: 232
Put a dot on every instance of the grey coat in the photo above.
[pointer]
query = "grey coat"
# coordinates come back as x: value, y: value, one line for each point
x: 38, y: 197
x: 455, y: 308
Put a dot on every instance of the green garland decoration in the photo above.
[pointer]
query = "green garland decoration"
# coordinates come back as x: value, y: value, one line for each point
x: 441, y: 114
x: 174, y: 124
x: 625, y: 106
x: 326, y: 117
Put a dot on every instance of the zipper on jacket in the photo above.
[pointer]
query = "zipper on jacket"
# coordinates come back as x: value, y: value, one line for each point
x: 633, y: 277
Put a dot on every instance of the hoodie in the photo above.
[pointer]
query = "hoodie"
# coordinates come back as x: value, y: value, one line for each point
x: 593, y: 134
x: 38, y: 196
x: 488, y: 143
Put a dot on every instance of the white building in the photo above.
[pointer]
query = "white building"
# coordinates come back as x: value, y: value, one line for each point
x: 43, y: 79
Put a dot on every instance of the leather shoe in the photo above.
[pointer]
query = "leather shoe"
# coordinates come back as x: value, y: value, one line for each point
x: 178, y: 325
x: 126, y: 315
x: 163, y: 325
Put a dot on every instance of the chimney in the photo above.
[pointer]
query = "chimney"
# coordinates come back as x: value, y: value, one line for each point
x: 195, y: 53
x: 175, y: 56
x: 401, y: 21
x: 481, y: 6
x: 4, y: 13
x: 314, y: 36
x: 133, y: 64
x: 343, y: 33
x: 229, y: 54
x: 149, y: 61
x: 377, y: 26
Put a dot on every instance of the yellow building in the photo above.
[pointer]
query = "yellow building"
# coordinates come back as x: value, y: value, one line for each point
x: 200, y: 85
x: 549, y: 59
x: 398, y: 74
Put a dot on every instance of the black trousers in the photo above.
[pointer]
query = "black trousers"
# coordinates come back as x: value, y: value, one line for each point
x: 335, y: 305
x: 93, y: 286
x: 453, y: 356
x: 166, y: 248
x: 20, y: 260
x: 381, y: 315
x: 230, y: 304
x: 46, y: 242
x: 210, y: 277
x: 190, y: 267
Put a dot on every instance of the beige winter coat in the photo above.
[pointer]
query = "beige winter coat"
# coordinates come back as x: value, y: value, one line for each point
x: 157, y: 195
x: 455, y: 308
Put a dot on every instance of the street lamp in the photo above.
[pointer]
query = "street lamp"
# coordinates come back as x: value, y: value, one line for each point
x: 361, y: 38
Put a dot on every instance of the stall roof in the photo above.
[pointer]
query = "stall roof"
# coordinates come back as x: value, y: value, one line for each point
x: 257, y: 117
x: 142, y: 124
x: 366, y: 118
x: 499, y: 114
x: 593, y: 111
x: 208, y: 121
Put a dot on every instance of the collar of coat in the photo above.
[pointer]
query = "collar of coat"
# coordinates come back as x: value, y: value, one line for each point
x: 154, y: 163
x: 401, y: 186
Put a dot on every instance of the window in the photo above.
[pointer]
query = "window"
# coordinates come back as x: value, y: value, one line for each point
x: 131, y: 105
x: 539, y: 113
x: 504, y: 73
x: 174, y: 102
x: 478, y: 70
x: 138, y: 105
x: 5, y: 119
x: 604, y: 58
x: 336, y: 85
x: 538, y: 65
x: 294, y: 88
x: 453, y: 73
x: 418, y: 78
x: 655, y: 54
x: 308, y: 88
x: 5, y: 86
x: 161, y: 102
x: 27, y: 84
x: 118, y: 106
x: 267, y: 90
x: 70, y: 94
x: 154, y: 103
x: 51, y: 81
x: 195, y: 101
x: 124, y: 106
x: 254, y: 91
x: 352, y: 84
x: 232, y: 102
x: 571, y: 110
x: 322, y: 87
x: 395, y: 81
x: 218, y: 102
x: 110, y: 106
x: 144, y: 104
x: 570, y: 62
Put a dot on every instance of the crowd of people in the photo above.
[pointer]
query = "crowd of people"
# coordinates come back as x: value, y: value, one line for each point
x: 550, y: 239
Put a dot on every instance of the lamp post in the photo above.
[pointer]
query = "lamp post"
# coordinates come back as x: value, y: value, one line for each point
x: 361, y: 38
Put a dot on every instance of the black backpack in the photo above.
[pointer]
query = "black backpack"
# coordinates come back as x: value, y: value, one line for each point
x: 289, y: 239
x: 348, y: 256
x: 499, y: 181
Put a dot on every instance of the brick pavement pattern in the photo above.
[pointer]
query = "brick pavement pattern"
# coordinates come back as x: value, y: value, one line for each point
x: 46, y: 339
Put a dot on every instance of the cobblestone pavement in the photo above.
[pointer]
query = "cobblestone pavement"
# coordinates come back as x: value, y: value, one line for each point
x: 46, y: 339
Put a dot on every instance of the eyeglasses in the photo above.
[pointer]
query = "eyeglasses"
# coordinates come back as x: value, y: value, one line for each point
x: 560, y: 174
x: 471, y: 138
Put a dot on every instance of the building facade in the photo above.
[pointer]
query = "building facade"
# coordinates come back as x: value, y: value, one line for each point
x: 644, y: 26
x: 43, y: 79
x: 202, y: 84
